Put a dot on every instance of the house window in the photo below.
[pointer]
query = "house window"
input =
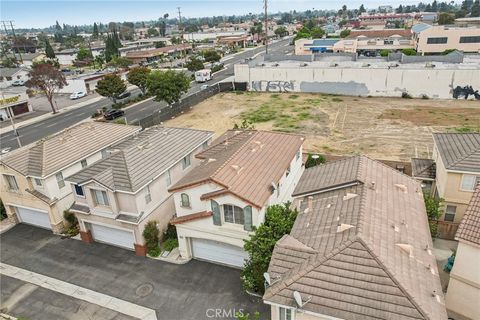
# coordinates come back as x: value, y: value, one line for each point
x: 101, y: 197
x: 104, y: 153
x: 169, y: 178
x: 469, y: 182
x: 185, y: 200
x: 278, y: 189
x: 186, y: 162
x: 60, y: 181
x: 11, y: 182
x: 38, y: 182
x: 148, y: 196
x: 233, y: 214
x: 84, y: 163
x: 450, y: 213
x: 285, y: 314
x: 298, y: 155
x: 437, y: 40
x: 288, y: 171
x: 472, y: 39
x: 79, y: 191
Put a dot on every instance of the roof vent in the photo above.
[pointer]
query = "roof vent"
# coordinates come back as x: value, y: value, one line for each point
x: 406, y: 248
x: 396, y: 228
x: 427, y: 248
x: 349, y: 196
x: 401, y: 187
x: 372, y: 185
x: 429, y: 268
x: 236, y: 168
x: 211, y: 160
x: 343, y: 227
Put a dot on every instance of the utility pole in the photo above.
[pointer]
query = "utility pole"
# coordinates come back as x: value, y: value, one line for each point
x: 4, y: 23
x: 11, y: 115
x: 181, y: 33
x: 14, y: 37
x: 265, y: 5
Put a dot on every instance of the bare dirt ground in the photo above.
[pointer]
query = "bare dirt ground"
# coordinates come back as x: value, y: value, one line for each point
x: 383, y: 128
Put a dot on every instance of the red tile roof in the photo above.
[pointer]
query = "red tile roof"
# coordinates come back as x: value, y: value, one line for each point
x: 469, y: 229
x: 190, y: 217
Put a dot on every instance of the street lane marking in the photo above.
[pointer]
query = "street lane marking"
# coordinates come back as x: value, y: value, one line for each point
x: 100, y: 299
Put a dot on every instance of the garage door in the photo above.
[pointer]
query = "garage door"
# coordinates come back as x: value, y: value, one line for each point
x: 118, y: 237
x: 33, y: 217
x: 218, y: 252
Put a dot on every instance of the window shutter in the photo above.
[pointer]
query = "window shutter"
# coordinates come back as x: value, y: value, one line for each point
x: 247, y: 214
x: 217, y: 219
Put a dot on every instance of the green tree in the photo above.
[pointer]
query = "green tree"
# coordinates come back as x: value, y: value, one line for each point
x: 111, y: 86
x: 48, y: 79
x: 95, y: 30
x: 281, y: 31
x: 279, y: 220
x: 84, y: 54
x: 303, y: 33
x: 434, y: 208
x: 138, y: 77
x: 345, y: 33
x: 317, y: 33
x: 120, y: 62
x: 168, y: 85
x: 49, y: 50
x: 211, y: 56
x: 99, y: 60
x: 152, y: 32
x: 194, y: 65
x: 361, y: 9
x: 475, y: 9
x: 446, y: 18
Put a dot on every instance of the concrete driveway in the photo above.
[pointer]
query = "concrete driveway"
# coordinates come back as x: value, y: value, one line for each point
x: 189, y: 291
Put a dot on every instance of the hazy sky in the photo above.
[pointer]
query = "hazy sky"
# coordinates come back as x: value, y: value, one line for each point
x: 45, y: 13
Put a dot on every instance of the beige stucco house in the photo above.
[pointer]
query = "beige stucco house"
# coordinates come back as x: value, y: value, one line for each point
x: 219, y: 201
x: 34, y: 190
x: 457, y: 160
x: 360, y: 248
x: 375, y: 40
x: 463, y: 293
x: 117, y: 196
x: 436, y: 39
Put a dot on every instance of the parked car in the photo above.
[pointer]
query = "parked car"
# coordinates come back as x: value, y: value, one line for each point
x: 113, y: 114
x: 124, y: 95
x: 203, y: 87
x: 18, y: 83
x: 77, y: 95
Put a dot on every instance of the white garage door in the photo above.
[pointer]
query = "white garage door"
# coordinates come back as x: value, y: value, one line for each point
x: 117, y: 237
x: 33, y: 217
x: 218, y: 252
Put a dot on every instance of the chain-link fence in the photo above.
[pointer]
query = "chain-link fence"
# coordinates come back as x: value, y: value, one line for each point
x: 186, y: 103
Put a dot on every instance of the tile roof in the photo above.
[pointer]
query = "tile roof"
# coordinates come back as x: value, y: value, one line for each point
x: 405, y: 33
x: 191, y: 217
x: 134, y: 162
x: 361, y: 250
x: 245, y: 162
x: 423, y: 168
x: 71, y: 145
x: 469, y: 228
x: 459, y: 151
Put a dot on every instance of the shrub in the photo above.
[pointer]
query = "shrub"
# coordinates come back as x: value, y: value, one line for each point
x: 314, y: 160
x: 425, y: 97
x: 120, y: 121
x: 171, y: 232
x: 170, y: 244
x: 384, y: 52
x: 70, y: 217
x: 433, y: 207
x: 217, y: 68
x: 406, y: 95
x: 3, y: 212
x: 409, y: 52
x: 151, y: 235
x: 154, y: 252
x: 279, y: 220
x: 337, y: 99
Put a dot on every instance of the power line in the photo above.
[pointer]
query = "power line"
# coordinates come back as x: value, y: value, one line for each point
x: 5, y: 22
x: 265, y: 5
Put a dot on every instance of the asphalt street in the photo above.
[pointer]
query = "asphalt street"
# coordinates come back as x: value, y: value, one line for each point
x: 41, y: 129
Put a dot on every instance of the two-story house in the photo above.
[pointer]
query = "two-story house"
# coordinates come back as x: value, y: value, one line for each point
x: 117, y: 196
x: 463, y: 293
x: 360, y: 248
x: 32, y: 178
x: 219, y: 201
x: 457, y: 159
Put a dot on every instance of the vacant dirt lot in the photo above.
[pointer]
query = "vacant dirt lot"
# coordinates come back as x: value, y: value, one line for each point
x: 383, y: 128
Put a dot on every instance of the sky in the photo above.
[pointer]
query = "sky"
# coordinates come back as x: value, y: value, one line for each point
x: 39, y: 13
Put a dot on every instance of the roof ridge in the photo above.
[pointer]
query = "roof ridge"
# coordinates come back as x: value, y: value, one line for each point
x: 394, y: 279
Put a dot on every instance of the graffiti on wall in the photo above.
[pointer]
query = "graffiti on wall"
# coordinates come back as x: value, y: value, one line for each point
x: 465, y: 92
x: 272, y: 86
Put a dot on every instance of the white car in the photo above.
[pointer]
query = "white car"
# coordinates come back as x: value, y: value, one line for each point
x: 77, y: 95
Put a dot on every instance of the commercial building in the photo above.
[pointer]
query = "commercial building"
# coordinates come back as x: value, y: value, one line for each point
x: 152, y: 55
x: 311, y: 46
x: 14, y: 106
x: 437, y: 39
x: 371, y: 42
